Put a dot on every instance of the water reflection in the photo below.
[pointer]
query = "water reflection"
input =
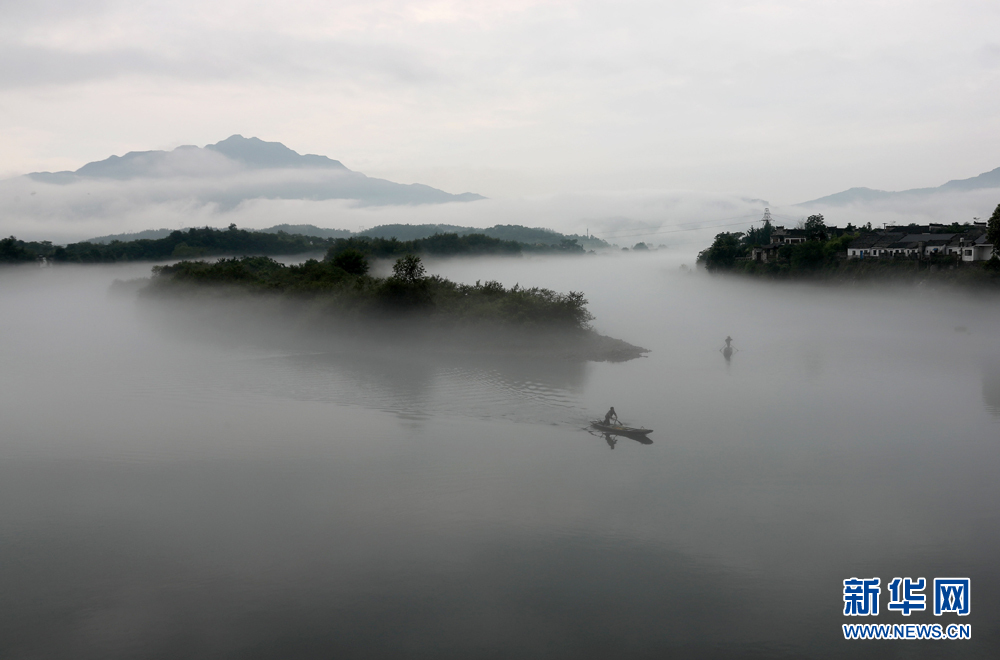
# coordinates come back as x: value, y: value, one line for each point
x: 409, y: 377
x: 395, y: 380
x: 487, y: 386
x: 613, y: 438
x: 991, y: 387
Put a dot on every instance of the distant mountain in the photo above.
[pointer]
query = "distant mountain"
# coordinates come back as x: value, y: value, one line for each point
x: 308, y: 230
x: 989, y: 179
x: 147, y: 234
x: 154, y: 234
x: 255, y: 153
x: 414, y: 232
x: 239, y: 168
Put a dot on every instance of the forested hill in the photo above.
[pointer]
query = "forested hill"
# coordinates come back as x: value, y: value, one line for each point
x: 209, y: 242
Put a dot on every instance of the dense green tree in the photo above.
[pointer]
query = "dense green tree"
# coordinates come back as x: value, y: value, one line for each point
x: 807, y: 256
x: 993, y: 230
x: 724, y: 251
x: 761, y: 236
x: 408, y: 288
x: 352, y: 261
x: 14, y: 251
x: 410, y: 291
x: 408, y: 269
x: 565, y: 245
x: 815, y: 227
x: 438, y: 244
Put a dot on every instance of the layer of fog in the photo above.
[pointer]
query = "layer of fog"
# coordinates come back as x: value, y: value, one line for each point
x: 914, y: 335
x: 37, y: 211
x: 680, y: 220
x: 837, y: 373
x: 204, y: 481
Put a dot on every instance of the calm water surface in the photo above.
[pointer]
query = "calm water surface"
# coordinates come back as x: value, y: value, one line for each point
x: 167, y: 492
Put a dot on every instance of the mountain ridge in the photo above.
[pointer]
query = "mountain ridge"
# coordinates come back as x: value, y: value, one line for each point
x: 989, y: 179
x: 237, y: 169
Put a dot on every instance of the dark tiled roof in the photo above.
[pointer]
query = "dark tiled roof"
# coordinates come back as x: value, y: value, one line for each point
x: 863, y: 242
x: 918, y: 238
x: 973, y: 236
x: 885, y: 240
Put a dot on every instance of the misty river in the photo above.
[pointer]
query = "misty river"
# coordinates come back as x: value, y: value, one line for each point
x: 167, y: 492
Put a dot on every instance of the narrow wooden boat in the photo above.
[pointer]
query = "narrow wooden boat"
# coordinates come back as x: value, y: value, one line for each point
x: 619, y: 429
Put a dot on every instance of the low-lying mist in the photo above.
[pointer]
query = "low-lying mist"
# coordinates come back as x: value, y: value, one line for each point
x: 67, y: 213
x: 683, y: 221
x: 71, y: 335
x: 170, y: 483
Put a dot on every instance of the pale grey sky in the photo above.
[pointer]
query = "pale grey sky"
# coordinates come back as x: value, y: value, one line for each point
x: 782, y: 100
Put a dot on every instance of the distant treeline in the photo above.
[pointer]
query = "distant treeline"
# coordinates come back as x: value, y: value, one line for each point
x: 341, y: 284
x: 196, y: 242
x: 445, y: 245
x: 518, y: 233
x: 208, y: 242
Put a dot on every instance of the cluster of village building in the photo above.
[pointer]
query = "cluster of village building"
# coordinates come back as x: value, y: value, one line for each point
x: 915, y: 242
x: 969, y: 244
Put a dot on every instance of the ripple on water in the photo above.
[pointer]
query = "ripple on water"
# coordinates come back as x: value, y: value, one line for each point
x: 413, y: 388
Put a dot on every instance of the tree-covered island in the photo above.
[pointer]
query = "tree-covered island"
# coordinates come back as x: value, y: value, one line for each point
x: 339, y: 295
x: 963, y: 253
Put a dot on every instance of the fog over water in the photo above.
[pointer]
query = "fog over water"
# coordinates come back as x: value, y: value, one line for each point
x: 168, y: 490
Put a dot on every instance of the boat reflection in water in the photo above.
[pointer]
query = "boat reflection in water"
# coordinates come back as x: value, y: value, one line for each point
x: 611, y: 433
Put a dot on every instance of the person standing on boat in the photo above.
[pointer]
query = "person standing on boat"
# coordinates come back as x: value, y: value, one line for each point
x: 611, y: 414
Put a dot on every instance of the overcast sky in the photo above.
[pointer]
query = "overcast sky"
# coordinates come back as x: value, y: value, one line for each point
x: 780, y: 100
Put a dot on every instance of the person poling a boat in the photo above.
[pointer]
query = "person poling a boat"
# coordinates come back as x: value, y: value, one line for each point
x: 611, y: 415
x: 612, y: 425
